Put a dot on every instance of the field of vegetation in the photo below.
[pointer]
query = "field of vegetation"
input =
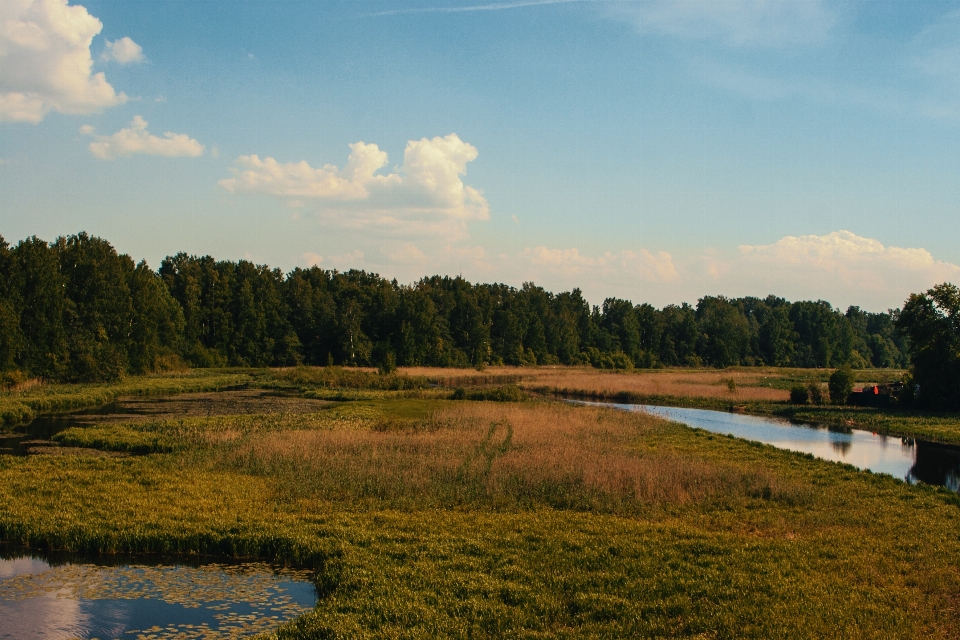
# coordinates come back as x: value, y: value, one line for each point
x: 25, y: 401
x: 424, y: 516
x: 756, y: 390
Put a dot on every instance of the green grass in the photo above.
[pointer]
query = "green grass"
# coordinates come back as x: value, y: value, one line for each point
x: 21, y: 406
x: 121, y: 438
x: 427, y: 518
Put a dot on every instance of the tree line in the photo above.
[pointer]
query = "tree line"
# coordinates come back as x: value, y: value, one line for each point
x: 76, y: 310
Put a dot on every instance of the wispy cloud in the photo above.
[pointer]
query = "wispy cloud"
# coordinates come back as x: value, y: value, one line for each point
x: 736, y: 22
x: 770, y: 88
x: 495, y: 6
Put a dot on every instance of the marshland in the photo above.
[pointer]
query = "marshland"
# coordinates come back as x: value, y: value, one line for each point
x: 420, y: 515
x: 423, y: 452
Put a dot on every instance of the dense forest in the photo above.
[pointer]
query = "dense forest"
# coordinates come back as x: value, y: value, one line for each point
x: 75, y: 309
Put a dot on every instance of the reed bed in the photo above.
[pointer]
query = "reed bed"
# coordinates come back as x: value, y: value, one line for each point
x: 738, y: 384
x: 502, y: 456
x: 427, y: 518
x: 732, y: 385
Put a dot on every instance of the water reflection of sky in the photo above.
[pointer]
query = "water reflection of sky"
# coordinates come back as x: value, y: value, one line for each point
x: 902, y: 458
x: 81, y: 600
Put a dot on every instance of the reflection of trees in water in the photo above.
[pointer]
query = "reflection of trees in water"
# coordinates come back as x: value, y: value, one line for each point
x: 841, y: 446
x: 837, y: 428
x: 936, y: 464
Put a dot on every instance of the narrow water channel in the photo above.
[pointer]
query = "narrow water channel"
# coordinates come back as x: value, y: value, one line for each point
x: 906, y: 458
x: 36, y: 436
x: 93, y: 597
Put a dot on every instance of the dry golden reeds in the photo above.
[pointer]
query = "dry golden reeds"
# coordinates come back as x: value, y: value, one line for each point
x: 746, y: 385
x: 498, y: 455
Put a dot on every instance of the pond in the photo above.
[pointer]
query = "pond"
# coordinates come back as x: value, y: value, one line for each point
x: 906, y: 458
x: 81, y: 597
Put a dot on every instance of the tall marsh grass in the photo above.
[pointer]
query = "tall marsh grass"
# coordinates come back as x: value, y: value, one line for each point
x: 492, y: 455
x: 725, y: 385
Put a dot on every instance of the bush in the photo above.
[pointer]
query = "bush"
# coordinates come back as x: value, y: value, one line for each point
x: 606, y: 360
x: 10, y: 379
x: 816, y: 393
x: 388, y: 364
x: 798, y: 394
x: 840, y: 385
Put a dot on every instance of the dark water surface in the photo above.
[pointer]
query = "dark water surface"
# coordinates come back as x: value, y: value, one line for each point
x: 40, y: 430
x: 93, y: 598
x: 906, y: 458
x: 35, y: 436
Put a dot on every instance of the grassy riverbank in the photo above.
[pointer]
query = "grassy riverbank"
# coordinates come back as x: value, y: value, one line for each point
x: 428, y: 517
x: 756, y: 391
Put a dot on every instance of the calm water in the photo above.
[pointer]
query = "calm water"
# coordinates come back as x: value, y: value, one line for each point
x: 46, y: 598
x: 19, y: 440
x: 912, y: 460
x: 38, y: 432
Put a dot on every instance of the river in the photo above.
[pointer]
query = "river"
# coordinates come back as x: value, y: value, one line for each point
x: 906, y: 458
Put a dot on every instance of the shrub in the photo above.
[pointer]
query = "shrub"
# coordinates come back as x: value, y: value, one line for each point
x: 388, y: 364
x: 799, y: 394
x: 10, y: 379
x: 816, y: 393
x: 840, y: 385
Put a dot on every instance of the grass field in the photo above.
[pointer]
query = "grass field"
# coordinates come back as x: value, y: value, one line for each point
x: 426, y: 517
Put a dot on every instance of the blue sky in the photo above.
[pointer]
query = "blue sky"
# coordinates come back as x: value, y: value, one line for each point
x: 655, y: 150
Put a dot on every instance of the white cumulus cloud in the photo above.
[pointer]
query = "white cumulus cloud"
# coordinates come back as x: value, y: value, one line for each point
x: 124, y: 51
x: 841, y: 267
x: 137, y: 140
x: 851, y: 260
x: 45, y: 61
x: 427, y: 190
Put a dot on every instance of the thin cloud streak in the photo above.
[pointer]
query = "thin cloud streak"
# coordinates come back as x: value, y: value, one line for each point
x: 498, y: 6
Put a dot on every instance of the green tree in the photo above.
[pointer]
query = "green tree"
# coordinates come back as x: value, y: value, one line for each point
x: 11, y: 338
x: 679, y: 337
x: 776, y: 337
x: 724, y: 332
x: 41, y: 290
x: 840, y: 385
x: 156, y: 324
x: 820, y: 341
x: 620, y: 322
x: 931, y: 320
